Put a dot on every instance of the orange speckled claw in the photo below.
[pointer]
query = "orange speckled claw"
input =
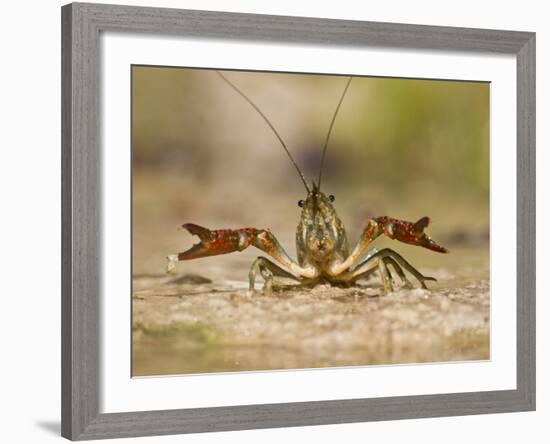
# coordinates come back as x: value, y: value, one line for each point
x: 215, y: 242
x: 409, y: 232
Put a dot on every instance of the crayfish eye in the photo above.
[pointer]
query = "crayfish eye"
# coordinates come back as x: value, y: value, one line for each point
x: 301, y: 203
x: 331, y: 198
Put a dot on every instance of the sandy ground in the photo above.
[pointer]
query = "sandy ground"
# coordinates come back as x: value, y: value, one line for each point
x: 189, y: 323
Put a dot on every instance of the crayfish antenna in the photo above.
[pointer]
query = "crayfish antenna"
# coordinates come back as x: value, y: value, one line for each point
x: 263, y: 116
x: 330, y: 131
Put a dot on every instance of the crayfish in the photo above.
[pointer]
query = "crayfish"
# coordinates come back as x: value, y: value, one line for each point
x: 321, y: 241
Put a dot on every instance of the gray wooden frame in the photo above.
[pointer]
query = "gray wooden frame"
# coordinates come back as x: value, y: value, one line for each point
x: 81, y: 233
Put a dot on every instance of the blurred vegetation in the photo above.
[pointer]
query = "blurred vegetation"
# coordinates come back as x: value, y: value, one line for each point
x: 390, y: 133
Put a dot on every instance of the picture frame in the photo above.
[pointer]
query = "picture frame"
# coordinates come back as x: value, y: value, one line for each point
x: 81, y: 206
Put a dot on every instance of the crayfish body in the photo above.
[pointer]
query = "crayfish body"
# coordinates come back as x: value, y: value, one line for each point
x: 323, y: 254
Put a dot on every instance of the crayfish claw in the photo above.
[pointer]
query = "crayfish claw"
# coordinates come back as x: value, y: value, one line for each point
x: 204, y: 234
x: 407, y: 232
x: 196, y: 251
x: 420, y: 224
x: 431, y: 245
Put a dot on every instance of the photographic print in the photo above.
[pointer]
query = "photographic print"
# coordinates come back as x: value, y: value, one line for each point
x: 300, y: 221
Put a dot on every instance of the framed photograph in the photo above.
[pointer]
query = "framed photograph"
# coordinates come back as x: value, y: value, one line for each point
x: 278, y: 221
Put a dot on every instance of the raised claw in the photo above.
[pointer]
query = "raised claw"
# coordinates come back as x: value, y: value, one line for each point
x: 409, y: 232
x: 214, y: 242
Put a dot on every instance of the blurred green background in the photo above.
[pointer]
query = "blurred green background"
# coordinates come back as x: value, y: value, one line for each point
x: 401, y: 147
